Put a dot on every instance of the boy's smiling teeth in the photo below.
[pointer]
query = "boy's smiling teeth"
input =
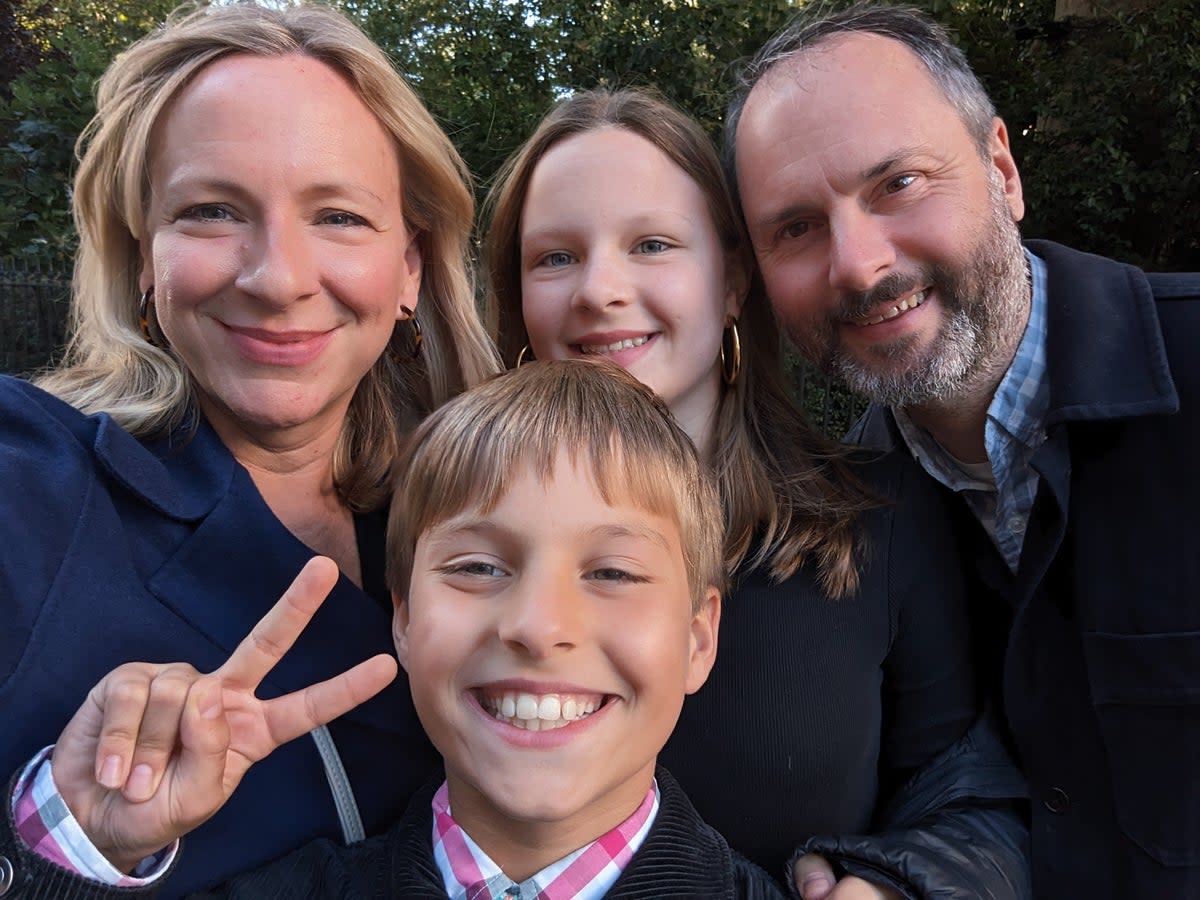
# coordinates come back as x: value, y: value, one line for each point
x: 910, y: 302
x: 615, y: 346
x: 540, y: 712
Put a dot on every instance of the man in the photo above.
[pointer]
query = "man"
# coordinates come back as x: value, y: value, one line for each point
x: 1053, y: 391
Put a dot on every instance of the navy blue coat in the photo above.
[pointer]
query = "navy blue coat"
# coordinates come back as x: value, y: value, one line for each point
x: 113, y: 551
x: 1100, y: 673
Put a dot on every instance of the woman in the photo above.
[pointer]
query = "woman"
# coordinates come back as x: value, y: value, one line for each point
x: 266, y: 212
x: 840, y: 673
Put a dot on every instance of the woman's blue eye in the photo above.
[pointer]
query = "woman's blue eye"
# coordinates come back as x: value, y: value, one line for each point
x: 209, y: 212
x: 343, y: 219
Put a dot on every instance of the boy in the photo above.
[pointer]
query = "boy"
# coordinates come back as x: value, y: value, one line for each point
x: 554, y: 554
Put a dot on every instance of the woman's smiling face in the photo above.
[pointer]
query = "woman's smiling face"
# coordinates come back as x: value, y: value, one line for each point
x: 620, y: 257
x: 275, y: 241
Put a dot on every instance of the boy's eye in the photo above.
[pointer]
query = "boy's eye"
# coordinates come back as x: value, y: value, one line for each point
x: 610, y: 573
x: 474, y: 567
x: 653, y: 245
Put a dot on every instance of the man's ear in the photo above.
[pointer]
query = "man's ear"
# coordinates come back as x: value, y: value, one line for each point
x: 1003, y: 162
x: 706, y: 622
x: 400, y: 628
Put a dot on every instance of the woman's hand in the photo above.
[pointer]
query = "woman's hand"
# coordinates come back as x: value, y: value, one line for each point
x: 155, y: 750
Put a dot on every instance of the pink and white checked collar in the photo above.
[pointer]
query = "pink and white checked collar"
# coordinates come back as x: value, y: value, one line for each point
x: 586, y: 874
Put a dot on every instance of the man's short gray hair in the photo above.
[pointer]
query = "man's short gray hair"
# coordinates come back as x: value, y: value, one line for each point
x: 928, y: 40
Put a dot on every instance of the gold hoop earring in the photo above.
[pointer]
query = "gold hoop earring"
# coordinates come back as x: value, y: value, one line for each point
x: 731, y: 365
x: 521, y: 356
x: 418, y: 334
x: 145, y: 306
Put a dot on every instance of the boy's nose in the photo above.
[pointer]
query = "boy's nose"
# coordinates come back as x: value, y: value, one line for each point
x: 543, y: 615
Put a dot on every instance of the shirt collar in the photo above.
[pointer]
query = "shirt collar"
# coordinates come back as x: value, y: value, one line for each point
x: 587, y: 874
x: 1020, y: 404
x: 1018, y: 407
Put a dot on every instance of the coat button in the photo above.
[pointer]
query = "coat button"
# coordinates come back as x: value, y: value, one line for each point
x: 6, y: 875
x: 1057, y: 801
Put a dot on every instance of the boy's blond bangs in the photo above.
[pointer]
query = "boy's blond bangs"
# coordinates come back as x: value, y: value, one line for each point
x: 465, y: 455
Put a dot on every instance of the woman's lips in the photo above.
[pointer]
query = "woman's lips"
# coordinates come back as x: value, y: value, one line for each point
x: 279, y: 348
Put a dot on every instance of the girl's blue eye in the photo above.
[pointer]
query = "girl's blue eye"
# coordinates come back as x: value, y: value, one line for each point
x: 795, y: 230
x: 652, y: 246
x: 557, y: 259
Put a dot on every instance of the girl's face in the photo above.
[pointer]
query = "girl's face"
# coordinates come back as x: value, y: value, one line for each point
x: 620, y: 258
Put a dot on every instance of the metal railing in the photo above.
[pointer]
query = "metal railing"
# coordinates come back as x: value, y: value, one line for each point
x: 33, y: 315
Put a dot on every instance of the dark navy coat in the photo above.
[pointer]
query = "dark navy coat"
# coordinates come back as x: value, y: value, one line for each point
x: 113, y: 551
x: 1100, y: 672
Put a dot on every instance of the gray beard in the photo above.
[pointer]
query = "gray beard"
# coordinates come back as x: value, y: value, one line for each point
x: 984, y: 307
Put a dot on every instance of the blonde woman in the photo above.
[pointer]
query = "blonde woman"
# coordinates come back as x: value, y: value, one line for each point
x: 271, y: 289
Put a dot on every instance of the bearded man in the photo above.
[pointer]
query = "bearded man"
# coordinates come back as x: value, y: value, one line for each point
x: 1056, y: 393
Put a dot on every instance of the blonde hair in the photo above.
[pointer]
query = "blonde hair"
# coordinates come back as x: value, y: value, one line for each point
x: 465, y: 455
x: 782, y: 484
x: 109, y: 367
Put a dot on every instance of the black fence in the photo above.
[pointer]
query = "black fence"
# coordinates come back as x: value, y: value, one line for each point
x: 33, y: 315
x: 33, y: 320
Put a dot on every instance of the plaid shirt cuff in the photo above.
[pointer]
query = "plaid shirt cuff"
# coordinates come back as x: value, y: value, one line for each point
x: 47, y: 827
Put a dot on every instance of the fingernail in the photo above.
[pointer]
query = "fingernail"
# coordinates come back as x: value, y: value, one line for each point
x: 816, y: 881
x: 110, y: 772
x: 140, y: 785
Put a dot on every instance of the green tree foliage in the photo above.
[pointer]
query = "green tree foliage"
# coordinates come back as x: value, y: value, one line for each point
x: 484, y: 67
x: 48, y: 105
x: 1104, y: 113
x: 1104, y: 116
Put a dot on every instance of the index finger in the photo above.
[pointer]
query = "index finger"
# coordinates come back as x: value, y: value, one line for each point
x: 275, y: 632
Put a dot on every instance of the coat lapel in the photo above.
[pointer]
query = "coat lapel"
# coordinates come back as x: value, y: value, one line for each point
x: 237, y: 547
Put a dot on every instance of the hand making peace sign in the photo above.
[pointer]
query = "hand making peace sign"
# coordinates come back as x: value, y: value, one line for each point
x: 155, y: 750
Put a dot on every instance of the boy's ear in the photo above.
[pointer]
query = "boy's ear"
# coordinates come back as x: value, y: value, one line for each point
x: 706, y: 622
x: 400, y: 629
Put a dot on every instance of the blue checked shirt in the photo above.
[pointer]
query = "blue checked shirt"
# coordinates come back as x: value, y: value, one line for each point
x: 1001, y: 498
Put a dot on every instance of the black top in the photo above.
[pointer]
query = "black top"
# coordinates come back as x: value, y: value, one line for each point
x: 1099, y: 668
x: 681, y: 857
x: 818, y: 709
